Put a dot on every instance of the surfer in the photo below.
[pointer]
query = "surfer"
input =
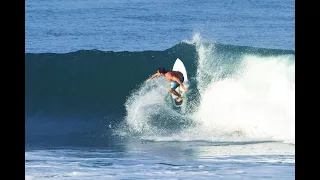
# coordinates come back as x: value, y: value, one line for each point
x: 175, y: 77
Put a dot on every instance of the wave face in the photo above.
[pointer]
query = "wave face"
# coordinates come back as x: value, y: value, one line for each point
x: 236, y: 93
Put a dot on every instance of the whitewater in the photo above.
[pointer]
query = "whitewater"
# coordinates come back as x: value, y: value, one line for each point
x: 89, y: 114
x: 240, y: 112
x: 249, y: 98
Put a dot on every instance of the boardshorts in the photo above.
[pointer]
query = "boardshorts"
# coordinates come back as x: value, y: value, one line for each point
x: 174, y: 84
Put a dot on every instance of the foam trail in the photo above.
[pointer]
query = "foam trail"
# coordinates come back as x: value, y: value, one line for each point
x: 258, y: 104
x: 243, y: 97
x: 149, y: 113
x: 139, y: 106
x: 205, y: 73
x: 212, y: 65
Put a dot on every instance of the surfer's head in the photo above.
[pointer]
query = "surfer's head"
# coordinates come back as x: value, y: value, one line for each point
x: 161, y: 70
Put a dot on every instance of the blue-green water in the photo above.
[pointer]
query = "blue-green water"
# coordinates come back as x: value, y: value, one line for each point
x: 90, y: 114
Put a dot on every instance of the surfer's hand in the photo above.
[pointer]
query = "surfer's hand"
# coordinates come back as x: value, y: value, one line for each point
x: 185, y: 89
x: 147, y: 80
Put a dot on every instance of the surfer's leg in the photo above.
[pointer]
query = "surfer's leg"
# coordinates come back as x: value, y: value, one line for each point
x: 179, y: 99
x: 177, y: 94
x: 174, y: 85
x: 172, y: 88
x: 174, y: 92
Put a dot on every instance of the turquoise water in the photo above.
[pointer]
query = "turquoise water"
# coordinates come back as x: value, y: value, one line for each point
x: 90, y: 114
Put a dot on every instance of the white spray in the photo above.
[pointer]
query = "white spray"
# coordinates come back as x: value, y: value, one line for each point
x: 255, y: 103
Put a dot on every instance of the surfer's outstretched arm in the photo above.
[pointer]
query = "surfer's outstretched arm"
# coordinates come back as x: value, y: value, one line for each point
x: 153, y: 76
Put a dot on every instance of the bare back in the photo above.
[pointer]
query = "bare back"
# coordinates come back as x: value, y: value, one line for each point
x: 170, y: 74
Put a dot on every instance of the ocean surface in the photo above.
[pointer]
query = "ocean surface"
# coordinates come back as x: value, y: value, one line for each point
x: 89, y: 114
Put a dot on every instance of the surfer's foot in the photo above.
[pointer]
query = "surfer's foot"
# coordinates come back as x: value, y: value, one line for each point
x: 179, y: 99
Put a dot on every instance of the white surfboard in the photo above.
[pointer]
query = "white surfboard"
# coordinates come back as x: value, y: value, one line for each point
x: 179, y: 66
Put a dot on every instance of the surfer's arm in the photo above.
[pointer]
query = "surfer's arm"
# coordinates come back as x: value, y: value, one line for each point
x: 153, y: 76
x: 179, y: 82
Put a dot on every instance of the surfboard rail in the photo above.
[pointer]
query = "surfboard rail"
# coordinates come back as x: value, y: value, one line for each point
x: 179, y: 66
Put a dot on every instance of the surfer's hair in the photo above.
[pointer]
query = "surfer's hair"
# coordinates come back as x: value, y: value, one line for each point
x: 162, y: 70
